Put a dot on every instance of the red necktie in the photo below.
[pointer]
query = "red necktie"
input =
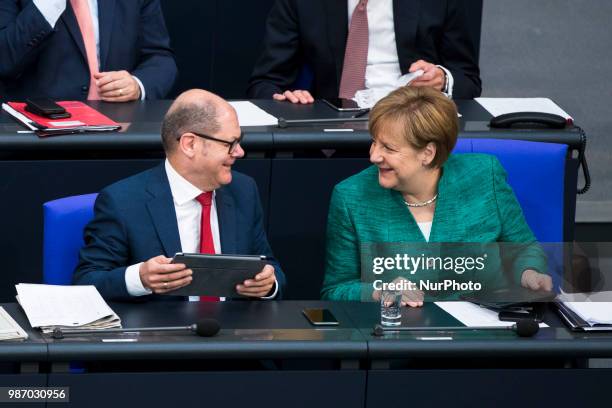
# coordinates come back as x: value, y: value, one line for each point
x: 356, y: 53
x: 207, y: 245
x: 83, y: 16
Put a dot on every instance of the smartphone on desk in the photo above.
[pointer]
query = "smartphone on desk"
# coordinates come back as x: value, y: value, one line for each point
x: 46, y: 107
x: 342, y: 105
x: 320, y: 317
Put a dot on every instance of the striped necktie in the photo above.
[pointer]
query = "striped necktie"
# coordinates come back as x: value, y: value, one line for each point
x: 356, y: 53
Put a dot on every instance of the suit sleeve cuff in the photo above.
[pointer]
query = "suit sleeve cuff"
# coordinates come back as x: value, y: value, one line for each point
x: 51, y: 9
x: 273, y: 295
x: 142, y: 89
x: 133, y: 283
x: 450, y: 82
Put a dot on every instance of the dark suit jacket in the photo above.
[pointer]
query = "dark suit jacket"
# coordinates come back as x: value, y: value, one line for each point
x: 313, y: 33
x: 134, y: 220
x: 36, y: 59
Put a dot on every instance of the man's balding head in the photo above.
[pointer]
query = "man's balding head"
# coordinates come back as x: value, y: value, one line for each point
x: 195, y: 110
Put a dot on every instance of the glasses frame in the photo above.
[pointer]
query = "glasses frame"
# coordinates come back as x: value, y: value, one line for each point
x: 231, y: 145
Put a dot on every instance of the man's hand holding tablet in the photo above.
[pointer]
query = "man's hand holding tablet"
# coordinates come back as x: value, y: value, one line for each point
x: 160, y: 275
x: 260, y: 285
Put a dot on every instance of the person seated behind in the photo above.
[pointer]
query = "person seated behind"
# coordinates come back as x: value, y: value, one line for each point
x: 359, y: 44
x: 116, y: 51
x: 417, y: 191
x: 193, y: 202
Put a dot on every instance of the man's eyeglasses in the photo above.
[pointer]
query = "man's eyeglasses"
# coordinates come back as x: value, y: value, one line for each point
x: 232, y: 145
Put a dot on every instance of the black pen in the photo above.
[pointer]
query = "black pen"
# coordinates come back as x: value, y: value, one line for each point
x: 361, y: 113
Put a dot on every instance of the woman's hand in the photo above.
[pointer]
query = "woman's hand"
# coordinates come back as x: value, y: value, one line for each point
x: 533, y: 280
x: 411, y: 298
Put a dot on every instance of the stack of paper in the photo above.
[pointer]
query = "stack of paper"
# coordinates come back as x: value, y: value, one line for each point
x: 593, y: 313
x: 51, y: 306
x: 9, y: 329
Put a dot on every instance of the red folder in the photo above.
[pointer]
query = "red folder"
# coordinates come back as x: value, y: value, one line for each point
x: 83, y: 118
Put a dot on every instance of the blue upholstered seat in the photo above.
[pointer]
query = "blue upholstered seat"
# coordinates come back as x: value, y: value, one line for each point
x: 65, y: 220
x: 536, y: 172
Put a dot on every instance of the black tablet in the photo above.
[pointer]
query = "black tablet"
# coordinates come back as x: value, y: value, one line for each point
x: 217, y: 275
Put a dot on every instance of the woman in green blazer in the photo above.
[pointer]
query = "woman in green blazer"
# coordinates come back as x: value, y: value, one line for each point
x: 416, y: 191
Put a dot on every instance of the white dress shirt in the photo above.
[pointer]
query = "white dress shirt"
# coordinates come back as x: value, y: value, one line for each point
x: 425, y: 228
x: 188, y: 216
x: 383, y: 69
x: 52, y: 10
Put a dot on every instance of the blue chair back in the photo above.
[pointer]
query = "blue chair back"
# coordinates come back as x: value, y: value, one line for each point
x: 64, y: 221
x: 536, y: 172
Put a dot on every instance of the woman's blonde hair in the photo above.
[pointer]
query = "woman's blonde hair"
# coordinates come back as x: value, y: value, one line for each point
x: 424, y: 116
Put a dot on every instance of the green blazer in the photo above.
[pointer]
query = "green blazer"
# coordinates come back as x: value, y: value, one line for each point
x: 475, y: 204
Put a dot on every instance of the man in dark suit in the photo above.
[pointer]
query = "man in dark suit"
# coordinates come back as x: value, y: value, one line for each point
x: 113, y: 50
x: 193, y: 202
x: 439, y: 37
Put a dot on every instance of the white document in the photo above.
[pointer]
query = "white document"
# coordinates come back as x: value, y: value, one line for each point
x: 9, y: 329
x: 501, y: 106
x: 367, y: 98
x: 49, y: 306
x: 472, y: 315
x: 21, y: 118
x: 595, y: 308
x: 592, y: 312
x: 250, y: 114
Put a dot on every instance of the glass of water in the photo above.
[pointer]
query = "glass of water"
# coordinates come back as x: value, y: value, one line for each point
x: 391, y: 307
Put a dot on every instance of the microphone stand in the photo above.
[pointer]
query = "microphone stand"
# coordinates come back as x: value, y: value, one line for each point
x: 59, y: 333
x: 523, y: 327
x: 285, y: 123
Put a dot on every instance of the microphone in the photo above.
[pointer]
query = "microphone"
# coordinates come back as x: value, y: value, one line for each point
x: 203, y: 328
x: 523, y: 327
x: 285, y: 123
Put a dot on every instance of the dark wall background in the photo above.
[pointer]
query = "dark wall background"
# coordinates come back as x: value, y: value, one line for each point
x: 216, y: 42
x: 561, y: 49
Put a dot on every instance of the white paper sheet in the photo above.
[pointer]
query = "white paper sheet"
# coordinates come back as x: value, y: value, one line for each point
x: 595, y: 308
x: 367, y: 98
x: 501, y: 106
x: 473, y: 315
x: 250, y: 114
x: 9, y: 329
x: 70, y: 306
x: 592, y: 312
x: 21, y: 118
